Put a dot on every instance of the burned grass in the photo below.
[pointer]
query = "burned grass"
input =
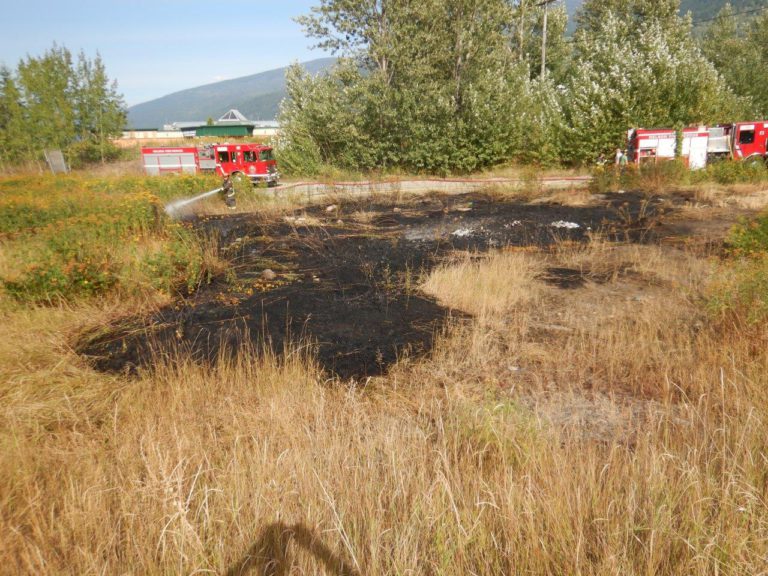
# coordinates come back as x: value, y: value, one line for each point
x: 343, y: 279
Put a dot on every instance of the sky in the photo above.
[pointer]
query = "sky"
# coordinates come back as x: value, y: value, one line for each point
x: 155, y: 47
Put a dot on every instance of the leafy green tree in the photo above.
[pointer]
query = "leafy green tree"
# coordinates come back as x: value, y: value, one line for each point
x: 14, y: 137
x: 47, y: 90
x: 434, y: 86
x: 525, y: 32
x: 633, y: 13
x: 99, y: 111
x: 53, y: 102
x: 741, y: 58
x: 637, y: 65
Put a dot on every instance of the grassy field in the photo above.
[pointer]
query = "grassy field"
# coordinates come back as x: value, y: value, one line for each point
x: 618, y: 428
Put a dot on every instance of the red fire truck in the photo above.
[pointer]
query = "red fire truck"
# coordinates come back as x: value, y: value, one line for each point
x: 255, y: 161
x: 747, y: 141
x: 741, y: 141
x: 654, y: 145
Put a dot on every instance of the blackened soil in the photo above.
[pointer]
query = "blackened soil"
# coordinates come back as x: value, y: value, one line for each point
x: 346, y: 278
x: 566, y: 278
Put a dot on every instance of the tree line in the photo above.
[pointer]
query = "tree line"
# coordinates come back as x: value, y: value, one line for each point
x: 456, y: 85
x: 57, y: 101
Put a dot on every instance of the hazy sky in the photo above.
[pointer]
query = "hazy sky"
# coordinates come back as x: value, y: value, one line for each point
x: 154, y: 47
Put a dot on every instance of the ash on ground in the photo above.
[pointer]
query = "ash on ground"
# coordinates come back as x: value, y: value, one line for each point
x: 345, y: 282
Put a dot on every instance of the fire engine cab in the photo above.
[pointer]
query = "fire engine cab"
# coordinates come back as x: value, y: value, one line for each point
x: 747, y: 141
x: 256, y: 161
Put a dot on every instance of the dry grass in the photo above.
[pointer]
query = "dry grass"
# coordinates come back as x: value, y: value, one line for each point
x: 485, y: 287
x: 610, y: 429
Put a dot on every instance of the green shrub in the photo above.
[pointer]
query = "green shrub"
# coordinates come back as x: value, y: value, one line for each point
x: 71, y: 237
x: 744, y: 288
x: 750, y: 238
x: 732, y: 172
x: 86, y: 152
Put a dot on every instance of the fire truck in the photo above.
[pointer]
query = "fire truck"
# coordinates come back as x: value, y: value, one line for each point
x: 746, y: 141
x: 254, y: 161
x: 741, y: 141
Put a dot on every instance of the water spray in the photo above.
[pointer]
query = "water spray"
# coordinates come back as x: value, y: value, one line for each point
x: 173, y: 208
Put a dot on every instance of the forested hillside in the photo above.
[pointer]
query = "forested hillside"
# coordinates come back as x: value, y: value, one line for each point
x: 257, y: 96
x: 703, y: 9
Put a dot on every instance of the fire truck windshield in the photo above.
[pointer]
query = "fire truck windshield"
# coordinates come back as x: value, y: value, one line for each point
x: 265, y: 155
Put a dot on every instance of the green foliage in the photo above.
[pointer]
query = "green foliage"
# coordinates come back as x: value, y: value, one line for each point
x: 750, y: 238
x: 430, y: 87
x: 744, y: 290
x: 56, y: 102
x: 85, y: 152
x: 636, y: 65
x: 731, y: 172
x: 741, y: 58
x: 70, y: 238
x: 451, y: 85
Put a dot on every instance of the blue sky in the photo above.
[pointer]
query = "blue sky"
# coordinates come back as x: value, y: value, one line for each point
x: 154, y: 47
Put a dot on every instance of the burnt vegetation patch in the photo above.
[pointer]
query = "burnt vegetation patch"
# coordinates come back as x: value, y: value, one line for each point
x: 343, y: 279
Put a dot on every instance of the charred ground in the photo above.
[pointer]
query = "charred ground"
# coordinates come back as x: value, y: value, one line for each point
x: 346, y: 277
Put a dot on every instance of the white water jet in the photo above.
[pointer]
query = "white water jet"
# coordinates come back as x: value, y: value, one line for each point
x: 173, y: 207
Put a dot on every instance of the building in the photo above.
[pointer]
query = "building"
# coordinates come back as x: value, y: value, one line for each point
x: 233, y: 124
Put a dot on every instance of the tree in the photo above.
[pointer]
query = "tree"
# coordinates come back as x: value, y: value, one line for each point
x: 637, y: 65
x: 14, y: 137
x: 432, y: 86
x: 99, y: 111
x: 53, y: 102
x: 47, y: 91
x: 525, y: 36
x: 740, y: 58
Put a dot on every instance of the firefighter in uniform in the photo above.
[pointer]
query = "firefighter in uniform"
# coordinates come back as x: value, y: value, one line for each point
x: 228, y: 190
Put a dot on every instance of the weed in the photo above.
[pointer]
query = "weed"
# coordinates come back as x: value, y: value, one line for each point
x: 74, y: 237
x: 732, y: 172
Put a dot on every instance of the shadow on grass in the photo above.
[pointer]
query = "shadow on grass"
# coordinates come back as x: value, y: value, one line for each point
x: 270, y: 555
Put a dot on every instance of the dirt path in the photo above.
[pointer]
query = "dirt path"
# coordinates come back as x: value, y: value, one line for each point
x: 317, y: 190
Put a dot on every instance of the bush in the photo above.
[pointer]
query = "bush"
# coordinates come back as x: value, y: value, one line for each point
x: 744, y: 290
x: 85, y: 153
x: 732, y: 172
x: 750, y: 238
x: 649, y: 177
x: 68, y: 238
x: 659, y: 176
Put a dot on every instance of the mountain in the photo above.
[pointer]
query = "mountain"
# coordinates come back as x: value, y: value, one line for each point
x: 705, y: 9
x: 257, y: 96
x: 701, y: 9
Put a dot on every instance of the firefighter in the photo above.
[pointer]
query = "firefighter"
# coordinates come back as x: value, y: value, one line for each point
x: 228, y: 190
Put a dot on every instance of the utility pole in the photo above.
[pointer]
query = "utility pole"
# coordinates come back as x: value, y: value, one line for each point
x: 546, y: 4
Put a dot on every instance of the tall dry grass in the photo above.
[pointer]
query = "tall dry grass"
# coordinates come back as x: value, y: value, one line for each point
x: 456, y: 464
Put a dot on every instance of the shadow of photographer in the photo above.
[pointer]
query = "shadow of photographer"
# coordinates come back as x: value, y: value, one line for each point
x: 269, y: 556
